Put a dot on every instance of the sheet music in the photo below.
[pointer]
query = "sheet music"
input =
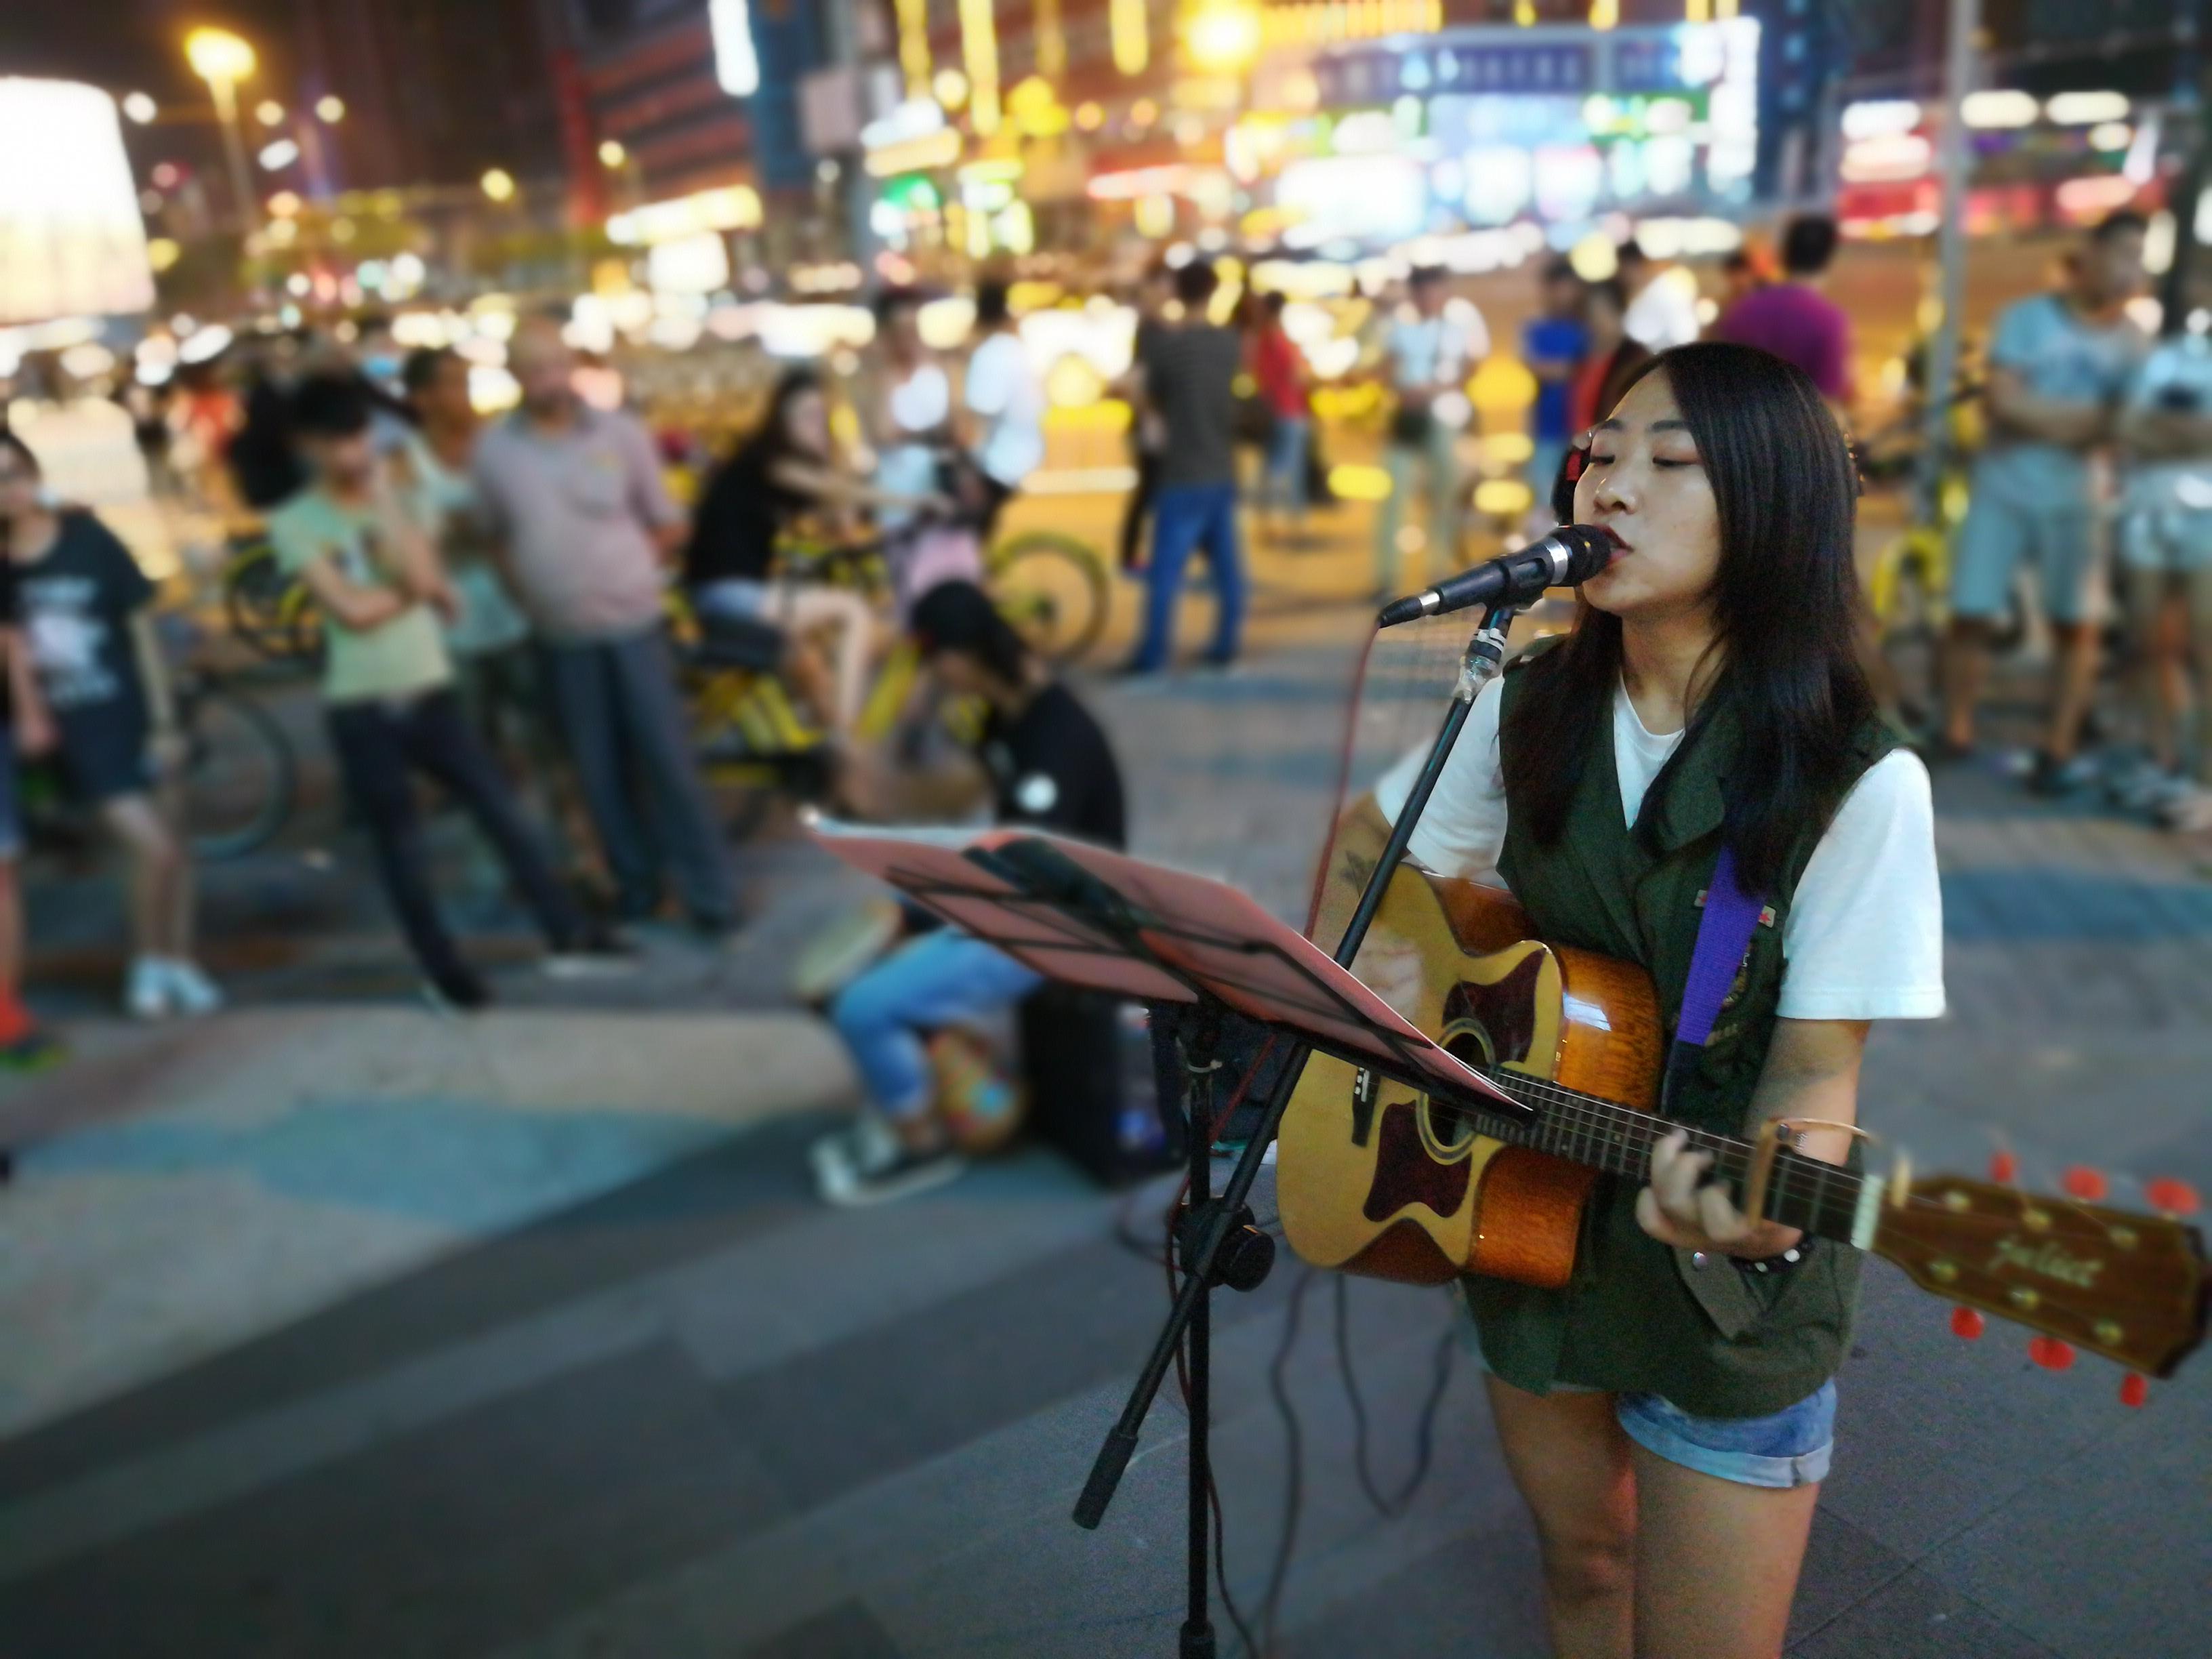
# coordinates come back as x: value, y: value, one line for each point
x: 1206, y: 938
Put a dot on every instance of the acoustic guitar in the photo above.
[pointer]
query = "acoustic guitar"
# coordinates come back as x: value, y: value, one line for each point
x: 1374, y: 1178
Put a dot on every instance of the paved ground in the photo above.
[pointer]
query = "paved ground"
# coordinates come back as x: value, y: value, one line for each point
x: 340, y: 1328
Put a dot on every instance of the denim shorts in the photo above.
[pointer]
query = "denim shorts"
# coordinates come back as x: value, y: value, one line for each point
x: 2059, y: 543
x: 1788, y: 1448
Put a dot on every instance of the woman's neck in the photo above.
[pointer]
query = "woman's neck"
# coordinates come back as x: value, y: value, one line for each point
x: 33, y: 535
x: 1667, y: 665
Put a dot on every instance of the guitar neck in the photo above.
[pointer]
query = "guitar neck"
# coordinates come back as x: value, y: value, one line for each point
x: 1816, y: 1197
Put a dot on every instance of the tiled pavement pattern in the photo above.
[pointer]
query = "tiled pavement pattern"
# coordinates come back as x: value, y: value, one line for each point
x: 639, y: 1396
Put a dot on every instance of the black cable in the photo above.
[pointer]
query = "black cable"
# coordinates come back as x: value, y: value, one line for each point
x: 1125, y: 1236
x: 1294, y: 1495
x: 1424, y: 1434
x: 1221, y: 1570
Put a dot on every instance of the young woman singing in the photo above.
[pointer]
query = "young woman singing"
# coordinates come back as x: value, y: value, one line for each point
x: 1670, y: 1415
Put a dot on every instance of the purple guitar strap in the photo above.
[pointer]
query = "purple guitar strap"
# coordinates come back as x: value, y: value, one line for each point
x: 1724, y: 935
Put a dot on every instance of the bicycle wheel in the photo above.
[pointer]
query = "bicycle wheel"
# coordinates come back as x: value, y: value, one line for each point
x: 239, y: 778
x: 1053, y: 589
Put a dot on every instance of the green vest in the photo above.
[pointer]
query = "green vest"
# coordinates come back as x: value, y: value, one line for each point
x: 1639, y: 1315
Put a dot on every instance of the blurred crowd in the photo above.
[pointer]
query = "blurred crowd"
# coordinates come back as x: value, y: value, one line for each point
x: 516, y: 606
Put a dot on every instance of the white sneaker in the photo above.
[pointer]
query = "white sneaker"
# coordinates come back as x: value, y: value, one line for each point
x: 191, y: 990
x: 906, y: 1174
x: 147, y: 993
x: 865, y: 1142
x: 2190, y: 813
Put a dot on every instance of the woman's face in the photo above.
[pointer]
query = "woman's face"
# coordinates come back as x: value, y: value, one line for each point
x: 806, y: 421
x: 1646, y: 485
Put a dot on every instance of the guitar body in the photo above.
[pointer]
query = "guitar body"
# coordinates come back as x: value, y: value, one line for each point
x: 1371, y: 1180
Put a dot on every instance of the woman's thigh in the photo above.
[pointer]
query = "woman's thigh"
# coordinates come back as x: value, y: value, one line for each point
x: 1717, y: 1561
x: 804, y: 608
x: 1569, y: 1461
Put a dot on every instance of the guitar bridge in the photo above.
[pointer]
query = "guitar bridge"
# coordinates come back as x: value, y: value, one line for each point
x: 1363, y: 1090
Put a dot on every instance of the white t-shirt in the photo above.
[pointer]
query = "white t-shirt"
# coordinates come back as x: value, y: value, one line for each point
x: 1006, y: 392
x: 1425, y: 351
x: 918, y: 407
x: 1666, y: 314
x: 1864, y: 936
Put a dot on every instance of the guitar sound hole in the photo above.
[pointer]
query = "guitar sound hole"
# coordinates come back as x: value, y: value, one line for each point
x: 1467, y: 1044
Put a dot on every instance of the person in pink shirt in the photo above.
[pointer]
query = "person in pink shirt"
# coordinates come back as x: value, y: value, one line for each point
x: 1794, y: 319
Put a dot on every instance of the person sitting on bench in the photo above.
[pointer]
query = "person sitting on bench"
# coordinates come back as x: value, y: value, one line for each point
x: 1042, y: 761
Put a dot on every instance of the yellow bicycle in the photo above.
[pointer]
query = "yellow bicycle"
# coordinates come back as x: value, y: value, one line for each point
x: 271, y: 612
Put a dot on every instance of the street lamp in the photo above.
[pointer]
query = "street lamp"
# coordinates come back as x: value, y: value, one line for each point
x: 612, y: 153
x: 1223, y: 36
x: 499, y: 185
x: 268, y: 112
x: 139, y: 107
x: 331, y: 108
x: 222, y: 60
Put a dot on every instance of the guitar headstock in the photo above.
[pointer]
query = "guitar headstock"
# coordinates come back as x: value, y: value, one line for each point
x: 2132, y: 1287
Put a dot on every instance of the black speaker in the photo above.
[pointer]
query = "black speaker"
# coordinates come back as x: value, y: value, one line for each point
x: 1087, y: 1061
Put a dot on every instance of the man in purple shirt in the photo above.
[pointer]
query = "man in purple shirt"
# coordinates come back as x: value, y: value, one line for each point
x: 1794, y: 320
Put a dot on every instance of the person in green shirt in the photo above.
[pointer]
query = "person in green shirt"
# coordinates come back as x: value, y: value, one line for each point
x: 389, y: 685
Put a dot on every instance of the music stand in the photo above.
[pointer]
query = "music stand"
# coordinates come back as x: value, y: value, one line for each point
x: 1107, y: 922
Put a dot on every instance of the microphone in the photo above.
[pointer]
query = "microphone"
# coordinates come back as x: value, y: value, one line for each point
x: 1571, y: 554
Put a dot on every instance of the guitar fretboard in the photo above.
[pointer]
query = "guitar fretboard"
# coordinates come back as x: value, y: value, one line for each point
x: 1805, y: 1192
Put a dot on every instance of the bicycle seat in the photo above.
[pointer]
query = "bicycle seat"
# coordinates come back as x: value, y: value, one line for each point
x: 739, y: 643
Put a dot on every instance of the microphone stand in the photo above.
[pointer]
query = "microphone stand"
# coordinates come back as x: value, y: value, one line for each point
x: 1209, y: 1220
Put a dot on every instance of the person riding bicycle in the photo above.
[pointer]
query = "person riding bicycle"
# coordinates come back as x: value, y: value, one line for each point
x: 1041, y: 761
x: 788, y: 471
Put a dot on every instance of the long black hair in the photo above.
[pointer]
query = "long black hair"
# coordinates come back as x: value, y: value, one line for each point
x: 770, y: 441
x: 1784, y: 606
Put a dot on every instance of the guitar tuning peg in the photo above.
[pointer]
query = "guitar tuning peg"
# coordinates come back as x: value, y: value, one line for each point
x: 2174, y: 1196
x: 2085, y: 1183
x: 2004, y: 1169
x: 2134, y: 1389
x: 1967, y: 1324
x: 2051, y: 1353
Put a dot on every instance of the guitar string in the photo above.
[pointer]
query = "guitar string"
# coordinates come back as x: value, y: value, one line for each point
x: 1590, y: 1110
x: 1822, y: 1213
x: 1633, y: 1132
x: 1622, y: 1127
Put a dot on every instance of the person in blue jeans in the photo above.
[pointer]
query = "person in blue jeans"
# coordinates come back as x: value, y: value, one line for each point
x: 1042, y: 762
x: 1189, y: 385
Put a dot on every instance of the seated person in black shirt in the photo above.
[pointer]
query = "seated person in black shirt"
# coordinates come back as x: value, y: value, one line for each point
x: 786, y: 470
x: 1040, y: 760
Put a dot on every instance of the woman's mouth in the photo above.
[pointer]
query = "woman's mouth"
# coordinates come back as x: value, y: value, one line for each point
x: 1620, y: 547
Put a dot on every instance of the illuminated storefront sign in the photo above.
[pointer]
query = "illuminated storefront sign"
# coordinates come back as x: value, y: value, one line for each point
x: 1382, y: 74
x: 1562, y: 122
x: 735, y: 207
